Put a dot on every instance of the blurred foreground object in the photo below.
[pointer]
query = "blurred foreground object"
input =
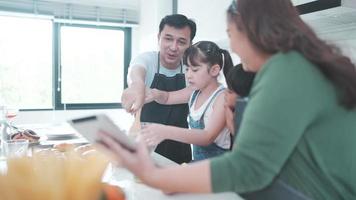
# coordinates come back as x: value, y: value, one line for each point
x: 47, y: 176
x: 111, y: 192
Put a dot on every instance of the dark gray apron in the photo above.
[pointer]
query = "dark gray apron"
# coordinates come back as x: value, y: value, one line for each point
x: 174, y: 115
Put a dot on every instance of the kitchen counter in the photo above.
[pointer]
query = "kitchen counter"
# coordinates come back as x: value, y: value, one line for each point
x: 135, y: 190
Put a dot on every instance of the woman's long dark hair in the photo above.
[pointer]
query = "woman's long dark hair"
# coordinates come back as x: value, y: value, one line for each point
x: 275, y: 26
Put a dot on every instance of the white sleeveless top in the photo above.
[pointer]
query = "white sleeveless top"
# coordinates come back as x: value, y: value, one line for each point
x: 223, y: 140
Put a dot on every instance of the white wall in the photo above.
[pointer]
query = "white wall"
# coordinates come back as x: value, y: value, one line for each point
x: 144, y: 37
x: 336, y: 25
x: 211, y: 22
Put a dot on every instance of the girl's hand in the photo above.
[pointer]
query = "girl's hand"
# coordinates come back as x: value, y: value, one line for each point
x: 153, y: 134
x: 229, y: 105
x: 156, y: 95
x: 138, y: 162
x: 149, y: 95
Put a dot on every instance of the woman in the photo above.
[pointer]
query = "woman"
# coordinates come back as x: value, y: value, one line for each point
x: 299, y: 125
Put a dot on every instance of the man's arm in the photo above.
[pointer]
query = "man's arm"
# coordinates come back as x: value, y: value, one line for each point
x: 133, y: 97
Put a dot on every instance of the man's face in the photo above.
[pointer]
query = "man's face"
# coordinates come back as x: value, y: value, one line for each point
x: 172, y: 44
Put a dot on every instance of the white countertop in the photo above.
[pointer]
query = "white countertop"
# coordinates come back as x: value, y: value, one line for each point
x: 135, y: 190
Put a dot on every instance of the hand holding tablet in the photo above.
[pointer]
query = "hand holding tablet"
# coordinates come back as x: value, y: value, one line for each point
x: 92, y: 126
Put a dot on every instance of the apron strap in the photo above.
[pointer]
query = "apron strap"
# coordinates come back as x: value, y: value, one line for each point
x: 181, y: 66
x: 158, y: 63
x: 194, y: 95
x: 211, y: 100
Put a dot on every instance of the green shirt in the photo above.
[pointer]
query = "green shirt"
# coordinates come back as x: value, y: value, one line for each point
x: 293, y: 126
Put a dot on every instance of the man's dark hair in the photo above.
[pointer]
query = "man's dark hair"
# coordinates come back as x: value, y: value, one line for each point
x: 179, y: 21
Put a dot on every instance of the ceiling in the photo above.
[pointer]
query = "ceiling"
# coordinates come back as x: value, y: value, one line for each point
x: 299, y: 2
x: 336, y: 25
x: 332, y: 19
x: 338, y: 19
x: 104, y: 3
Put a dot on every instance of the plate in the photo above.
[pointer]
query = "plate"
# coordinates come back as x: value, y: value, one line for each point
x: 61, y: 136
x: 31, y: 144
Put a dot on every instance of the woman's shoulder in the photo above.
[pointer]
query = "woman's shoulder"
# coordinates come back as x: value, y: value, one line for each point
x: 292, y: 76
x: 287, y: 59
x: 289, y: 65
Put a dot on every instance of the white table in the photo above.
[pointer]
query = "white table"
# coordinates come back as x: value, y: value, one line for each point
x: 135, y: 190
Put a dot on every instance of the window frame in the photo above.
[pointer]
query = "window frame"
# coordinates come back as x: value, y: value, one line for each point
x: 24, y: 16
x: 57, y: 95
x: 56, y: 68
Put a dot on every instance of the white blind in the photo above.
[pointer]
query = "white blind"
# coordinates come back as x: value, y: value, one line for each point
x: 75, y: 10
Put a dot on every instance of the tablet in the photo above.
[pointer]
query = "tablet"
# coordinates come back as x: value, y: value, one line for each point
x: 90, y: 126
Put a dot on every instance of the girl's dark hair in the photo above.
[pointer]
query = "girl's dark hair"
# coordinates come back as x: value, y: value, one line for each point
x: 239, y: 80
x: 210, y: 53
x: 275, y: 26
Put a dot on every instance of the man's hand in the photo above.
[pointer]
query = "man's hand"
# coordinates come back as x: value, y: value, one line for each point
x: 133, y: 97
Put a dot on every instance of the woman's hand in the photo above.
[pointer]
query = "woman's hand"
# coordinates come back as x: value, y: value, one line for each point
x: 153, y: 134
x: 138, y: 162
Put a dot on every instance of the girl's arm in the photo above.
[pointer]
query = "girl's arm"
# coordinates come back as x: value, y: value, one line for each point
x: 163, y: 97
x: 153, y: 134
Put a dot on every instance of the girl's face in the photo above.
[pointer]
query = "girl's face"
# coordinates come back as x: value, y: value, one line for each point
x: 199, y: 76
x: 230, y: 101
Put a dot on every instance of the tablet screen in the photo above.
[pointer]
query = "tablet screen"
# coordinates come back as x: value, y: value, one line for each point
x: 91, y: 126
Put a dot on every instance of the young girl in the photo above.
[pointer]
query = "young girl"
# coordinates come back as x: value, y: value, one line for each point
x: 207, y: 129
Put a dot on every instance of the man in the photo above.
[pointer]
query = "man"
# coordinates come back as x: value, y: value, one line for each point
x: 163, y: 70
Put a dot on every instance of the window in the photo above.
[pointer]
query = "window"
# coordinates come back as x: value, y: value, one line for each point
x: 26, y: 62
x: 92, y: 65
x: 50, y: 65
